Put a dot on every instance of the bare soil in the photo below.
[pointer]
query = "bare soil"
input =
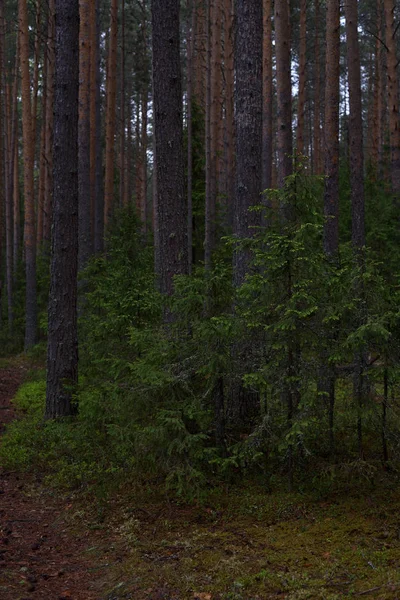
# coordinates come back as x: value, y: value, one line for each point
x: 41, y: 556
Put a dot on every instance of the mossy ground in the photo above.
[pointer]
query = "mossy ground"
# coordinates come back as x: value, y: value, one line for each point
x: 252, y: 545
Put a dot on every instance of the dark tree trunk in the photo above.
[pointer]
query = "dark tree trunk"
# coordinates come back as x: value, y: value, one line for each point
x: 355, y: 126
x: 171, y: 229
x: 357, y: 196
x: 331, y: 197
x: 98, y: 186
x: 284, y: 90
x: 85, y: 230
x: 28, y: 147
x: 267, y: 95
x: 62, y: 357
x: 248, y: 126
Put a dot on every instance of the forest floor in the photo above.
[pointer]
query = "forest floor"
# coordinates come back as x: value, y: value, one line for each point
x: 242, y: 544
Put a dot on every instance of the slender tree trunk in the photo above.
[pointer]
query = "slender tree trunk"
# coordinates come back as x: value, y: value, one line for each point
x: 42, y: 159
x: 332, y: 99
x: 393, y: 98
x: 110, y: 115
x: 210, y: 197
x: 267, y: 95
x: 3, y: 149
x: 13, y: 168
x: 200, y: 53
x: 301, y: 102
x: 122, y: 111
x: 98, y: 192
x: 36, y: 64
x: 129, y: 151
x: 17, y: 213
x: 143, y: 162
x: 317, y: 94
x: 6, y: 159
x: 48, y: 201
x: 62, y: 355
x: 229, y: 111
x: 171, y: 225
x: 331, y: 196
x: 190, y: 29
x: 376, y: 129
x: 28, y: 148
x: 357, y: 191
x: 284, y: 90
x: 85, y: 229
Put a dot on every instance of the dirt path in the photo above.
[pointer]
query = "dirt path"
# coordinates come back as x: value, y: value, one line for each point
x: 40, y: 557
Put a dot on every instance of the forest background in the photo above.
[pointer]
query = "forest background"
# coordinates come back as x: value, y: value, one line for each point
x: 237, y: 240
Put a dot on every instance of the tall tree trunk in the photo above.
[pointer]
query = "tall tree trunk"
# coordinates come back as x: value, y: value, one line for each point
x: 36, y: 66
x: 122, y: 172
x: 317, y: 167
x: 377, y: 137
x: 229, y: 111
x: 42, y: 159
x: 3, y: 148
x: 210, y: 188
x: 331, y: 196
x: 357, y: 192
x: 6, y: 160
x: 48, y: 200
x: 28, y: 149
x: 98, y: 148
x: 332, y: 99
x: 85, y: 229
x: 13, y: 167
x: 284, y: 90
x: 393, y: 98
x: 171, y: 222
x: 267, y: 95
x: 110, y: 115
x: 301, y: 102
x: 200, y: 53
x: 62, y: 355
x: 129, y: 150
x: 248, y: 125
x: 190, y: 29
x: 143, y: 161
x: 16, y: 213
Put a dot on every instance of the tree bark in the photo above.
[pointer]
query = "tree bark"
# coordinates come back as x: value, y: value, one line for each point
x: 171, y: 221
x: 229, y: 112
x: 110, y: 115
x: 301, y: 101
x: 393, y: 98
x: 284, y: 90
x: 248, y: 127
x: 332, y: 98
x: 357, y: 195
x: 267, y: 95
x: 85, y: 229
x: 28, y: 150
x: 48, y: 202
x: 62, y: 355
x: 317, y: 166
